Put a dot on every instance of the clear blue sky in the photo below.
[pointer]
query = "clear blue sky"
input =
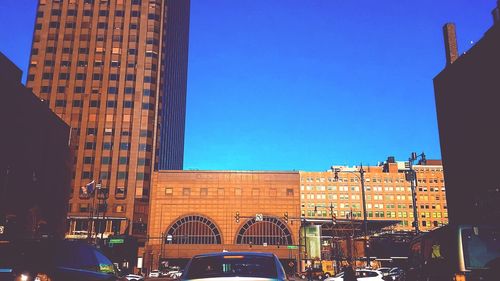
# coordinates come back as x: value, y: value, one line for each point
x: 294, y: 84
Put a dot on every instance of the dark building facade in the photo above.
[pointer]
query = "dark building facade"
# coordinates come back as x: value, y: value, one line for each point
x: 173, y: 104
x: 34, y: 175
x: 111, y: 71
x: 467, y: 96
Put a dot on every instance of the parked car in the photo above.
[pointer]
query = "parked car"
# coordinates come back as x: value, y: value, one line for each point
x: 395, y: 274
x: 456, y: 252
x: 154, y: 273
x: 361, y: 275
x: 175, y: 274
x: 317, y: 273
x: 384, y: 270
x: 134, y: 277
x: 54, y: 260
x: 234, y: 266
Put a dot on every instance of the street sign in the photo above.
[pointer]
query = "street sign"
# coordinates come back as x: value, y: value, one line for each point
x: 259, y: 217
x: 169, y: 238
x: 116, y: 241
x: 292, y: 247
x: 264, y: 244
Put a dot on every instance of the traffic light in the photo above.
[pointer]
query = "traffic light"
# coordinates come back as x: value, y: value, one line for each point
x: 285, y: 217
x: 237, y: 217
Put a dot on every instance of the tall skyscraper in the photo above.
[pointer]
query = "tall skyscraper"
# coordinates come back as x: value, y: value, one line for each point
x: 115, y: 71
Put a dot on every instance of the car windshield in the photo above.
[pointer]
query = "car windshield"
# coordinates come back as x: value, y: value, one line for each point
x: 232, y: 266
x: 481, y: 247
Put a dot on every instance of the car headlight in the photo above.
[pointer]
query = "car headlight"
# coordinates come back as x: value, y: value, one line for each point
x: 23, y: 277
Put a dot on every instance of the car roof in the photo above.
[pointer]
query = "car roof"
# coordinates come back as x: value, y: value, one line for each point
x: 222, y: 254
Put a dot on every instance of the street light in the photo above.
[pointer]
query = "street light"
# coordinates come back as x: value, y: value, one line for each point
x: 361, y: 178
x: 412, y: 178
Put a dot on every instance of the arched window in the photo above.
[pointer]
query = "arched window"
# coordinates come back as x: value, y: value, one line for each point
x: 193, y: 230
x: 271, y: 231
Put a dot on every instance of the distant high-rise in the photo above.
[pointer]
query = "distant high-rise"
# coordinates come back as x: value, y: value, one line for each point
x: 115, y: 71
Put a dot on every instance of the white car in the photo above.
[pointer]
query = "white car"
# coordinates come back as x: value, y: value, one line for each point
x: 154, y: 273
x: 134, y: 277
x: 175, y: 274
x: 361, y: 275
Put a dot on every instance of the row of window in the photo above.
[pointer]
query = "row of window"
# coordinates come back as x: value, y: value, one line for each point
x: 367, y: 179
x: 106, y: 160
x: 187, y: 191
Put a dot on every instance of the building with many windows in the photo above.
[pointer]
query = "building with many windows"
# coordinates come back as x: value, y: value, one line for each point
x: 388, y: 194
x: 115, y: 72
x: 194, y: 212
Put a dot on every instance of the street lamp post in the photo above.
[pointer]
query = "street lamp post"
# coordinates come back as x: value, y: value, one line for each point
x: 361, y: 178
x: 412, y: 177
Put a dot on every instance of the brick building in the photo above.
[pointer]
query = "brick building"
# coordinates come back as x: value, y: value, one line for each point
x: 194, y: 212
x: 388, y: 194
x: 112, y: 69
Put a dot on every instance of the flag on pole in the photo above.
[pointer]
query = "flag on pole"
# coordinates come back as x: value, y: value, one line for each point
x: 90, y: 187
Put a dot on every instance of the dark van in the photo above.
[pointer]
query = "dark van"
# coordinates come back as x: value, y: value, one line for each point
x: 456, y: 253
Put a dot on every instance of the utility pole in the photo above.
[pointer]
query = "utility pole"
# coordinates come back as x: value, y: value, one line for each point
x: 365, y: 217
x: 412, y: 177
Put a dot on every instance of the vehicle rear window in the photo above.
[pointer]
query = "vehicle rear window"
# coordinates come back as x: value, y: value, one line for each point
x: 481, y: 247
x: 232, y: 266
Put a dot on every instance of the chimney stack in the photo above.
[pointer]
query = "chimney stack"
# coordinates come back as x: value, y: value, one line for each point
x: 496, y: 13
x: 450, y: 43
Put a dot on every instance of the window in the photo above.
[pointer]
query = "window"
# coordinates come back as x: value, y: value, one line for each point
x: 77, y: 103
x: 111, y: 104
x: 220, y: 191
x: 186, y: 191
x: 129, y: 90
x: 194, y: 229
x: 123, y: 160
x: 119, y: 208
x: 60, y: 103
x: 107, y: 145
x: 289, y: 192
x: 112, y: 90
x: 168, y: 191
x: 104, y: 175
x: 142, y: 176
x: 120, y: 191
x: 87, y: 175
x: 148, y: 92
x: 203, y: 191
x: 81, y: 76
x: 106, y: 160
x: 94, y: 103
x: 79, y: 90
x: 122, y: 175
x: 114, y: 77
x: 128, y: 104
x: 124, y: 146
x: 88, y: 160
x: 89, y: 145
